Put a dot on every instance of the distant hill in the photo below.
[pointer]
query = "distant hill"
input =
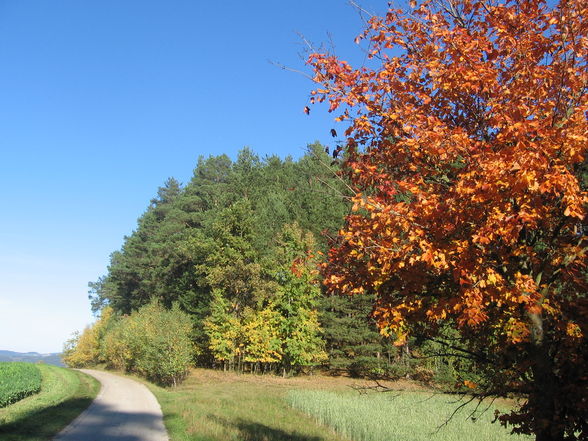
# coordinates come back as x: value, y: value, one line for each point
x: 32, y: 357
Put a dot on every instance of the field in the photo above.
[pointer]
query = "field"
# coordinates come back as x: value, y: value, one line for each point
x: 213, y: 405
x: 64, y: 394
x: 17, y: 381
x: 391, y: 416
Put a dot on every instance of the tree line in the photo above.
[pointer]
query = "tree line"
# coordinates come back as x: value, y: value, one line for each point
x: 237, y: 251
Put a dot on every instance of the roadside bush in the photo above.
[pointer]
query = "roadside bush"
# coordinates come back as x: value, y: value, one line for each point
x: 153, y: 342
x: 81, y: 350
x: 117, y: 349
x: 164, y: 348
x: 85, y: 349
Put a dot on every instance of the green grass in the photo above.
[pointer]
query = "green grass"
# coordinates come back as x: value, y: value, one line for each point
x: 405, y: 416
x: 217, y: 406
x: 214, y: 406
x: 17, y: 381
x: 64, y: 395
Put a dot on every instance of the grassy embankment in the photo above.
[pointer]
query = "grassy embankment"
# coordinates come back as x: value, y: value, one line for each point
x: 219, y: 406
x: 64, y: 395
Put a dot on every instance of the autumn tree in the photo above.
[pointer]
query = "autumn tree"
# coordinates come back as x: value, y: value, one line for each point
x: 262, y: 340
x: 466, y: 139
x: 85, y: 349
x: 81, y: 350
x: 224, y: 331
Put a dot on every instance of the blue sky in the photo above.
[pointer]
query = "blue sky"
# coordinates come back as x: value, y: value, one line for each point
x: 101, y: 101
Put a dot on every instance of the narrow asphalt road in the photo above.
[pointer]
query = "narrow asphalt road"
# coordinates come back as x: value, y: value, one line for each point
x: 124, y: 410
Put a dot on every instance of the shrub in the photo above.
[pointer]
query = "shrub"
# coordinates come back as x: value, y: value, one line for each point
x: 153, y: 342
x: 164, y: 349
x: 117, y: 346
x: 82, y: 349
x: 85, y: 349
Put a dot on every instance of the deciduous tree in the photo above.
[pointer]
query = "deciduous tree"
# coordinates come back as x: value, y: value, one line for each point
x: 296, y: 299
x: 466, y: 136
x: 224, y: 331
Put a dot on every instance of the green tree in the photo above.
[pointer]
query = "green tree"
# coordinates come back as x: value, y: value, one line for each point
x: 224, y: 331
x: 296, y: 299
x: 217, y: 233
x: 352, y: 339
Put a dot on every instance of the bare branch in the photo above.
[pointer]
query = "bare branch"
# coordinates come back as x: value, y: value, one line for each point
x: 284, y: 67
x: 328, y: 167
x: 360, y: 8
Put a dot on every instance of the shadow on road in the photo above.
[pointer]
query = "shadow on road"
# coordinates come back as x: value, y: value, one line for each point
x: 107, y: 423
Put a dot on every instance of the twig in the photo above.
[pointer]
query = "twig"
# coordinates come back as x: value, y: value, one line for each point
x: 284, y: 67
x: 360, y: 8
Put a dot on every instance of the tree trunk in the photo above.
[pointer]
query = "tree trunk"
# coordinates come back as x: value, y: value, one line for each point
x: 543, y: 400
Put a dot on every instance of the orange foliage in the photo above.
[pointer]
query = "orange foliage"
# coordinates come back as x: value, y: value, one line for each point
x: 466, y: 133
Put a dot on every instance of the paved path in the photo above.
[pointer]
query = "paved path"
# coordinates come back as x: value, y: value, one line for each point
x: 124, y: 410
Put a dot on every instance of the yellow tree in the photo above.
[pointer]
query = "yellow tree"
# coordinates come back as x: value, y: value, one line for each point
x: 224, y: 330
x: 82, y: 349
x: 466, y: 137
x: 262, y: 342
x: 85, y: 349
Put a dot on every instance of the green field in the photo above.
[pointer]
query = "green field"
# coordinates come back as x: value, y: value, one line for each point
x: 214, y: 405
x: 401, y: 416
x: 17, y: 381
x: 64, y: 394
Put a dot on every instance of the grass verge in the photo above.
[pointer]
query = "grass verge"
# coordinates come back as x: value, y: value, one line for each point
x: 64, y: 395
x: 403, y: 416
x: 217, y: 406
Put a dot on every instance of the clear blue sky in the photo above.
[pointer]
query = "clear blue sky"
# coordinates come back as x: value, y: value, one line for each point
x: 101, y: 101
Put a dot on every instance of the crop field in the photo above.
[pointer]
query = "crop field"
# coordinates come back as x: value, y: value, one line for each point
x: 17, y: 381
x: 64, y: 394
x: 400, y: 416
